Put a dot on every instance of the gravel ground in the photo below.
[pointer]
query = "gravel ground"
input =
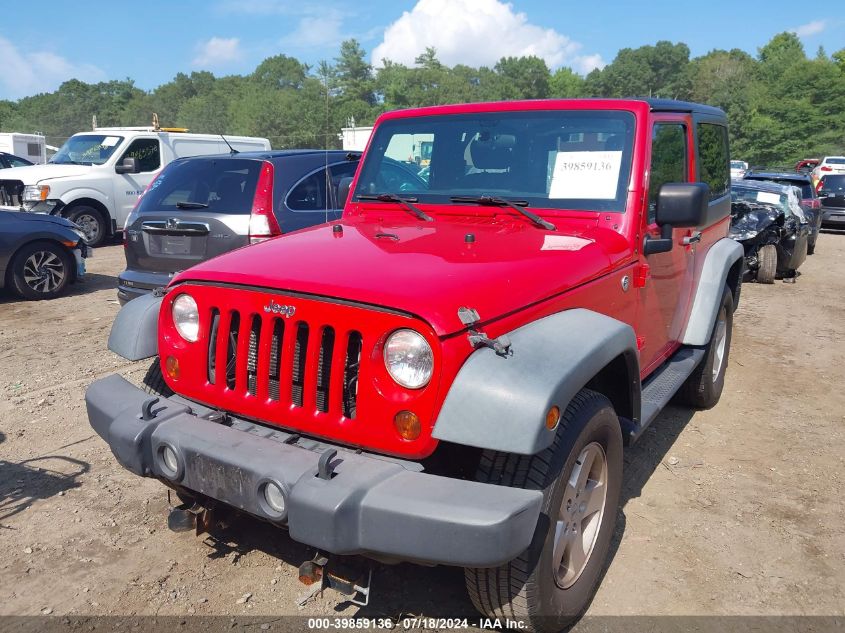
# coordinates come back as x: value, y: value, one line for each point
x: 733, y: 511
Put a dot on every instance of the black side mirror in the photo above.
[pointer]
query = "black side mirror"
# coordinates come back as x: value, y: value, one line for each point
x: 343, y: 191
x: 678, y: 205
x: 128, y: 166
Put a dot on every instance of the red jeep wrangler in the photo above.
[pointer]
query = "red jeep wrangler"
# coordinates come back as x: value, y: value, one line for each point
x: 448, y: 374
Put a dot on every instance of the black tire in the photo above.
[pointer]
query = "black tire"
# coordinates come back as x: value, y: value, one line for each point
x: 704, y: 387
x: 527, y: 588
x: 41, y: 270
x: 153, y: 381
x: 767, y: 256
x: 91, y: 221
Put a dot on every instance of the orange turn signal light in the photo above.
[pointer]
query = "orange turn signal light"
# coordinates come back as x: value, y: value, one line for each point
x: 407, y: 424
x: 171, y: 368
x: 552, y: 418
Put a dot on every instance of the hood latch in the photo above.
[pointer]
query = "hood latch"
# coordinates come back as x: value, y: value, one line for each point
x: 501, y: 345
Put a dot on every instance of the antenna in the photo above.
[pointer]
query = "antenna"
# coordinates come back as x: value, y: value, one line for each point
x: 232, y: 150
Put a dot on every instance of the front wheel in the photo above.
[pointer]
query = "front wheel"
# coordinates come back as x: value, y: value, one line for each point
x: 41, y: 270
x: 153, y: 381
x: 580, y: 474
x: 767, y: 256
x: 92, y: 223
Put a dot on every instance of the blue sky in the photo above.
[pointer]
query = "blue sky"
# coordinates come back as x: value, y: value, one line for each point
x: 95, y: 40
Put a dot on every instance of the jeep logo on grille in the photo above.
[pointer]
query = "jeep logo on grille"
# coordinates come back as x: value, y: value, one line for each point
x: 278, y: 308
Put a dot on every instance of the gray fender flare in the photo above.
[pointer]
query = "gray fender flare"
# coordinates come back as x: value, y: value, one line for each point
x: 134, y: 333
x: 712, y: 277
x: 500, y: 403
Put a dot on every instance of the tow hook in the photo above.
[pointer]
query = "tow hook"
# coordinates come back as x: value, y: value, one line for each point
x: 342, y: 575
x: 190, y: 517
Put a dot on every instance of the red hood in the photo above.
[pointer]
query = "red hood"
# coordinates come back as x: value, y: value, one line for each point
x: 428, y: 269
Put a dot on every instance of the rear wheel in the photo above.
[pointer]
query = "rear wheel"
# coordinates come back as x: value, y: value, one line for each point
x: 153, y: 381
x: 767, y: 256
x: 41, y: 270
x: 91, y: 221
x: 704, y: 386
x: 580, y: 474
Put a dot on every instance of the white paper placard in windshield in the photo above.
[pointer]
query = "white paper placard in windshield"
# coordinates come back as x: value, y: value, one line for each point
x: 110, y: 140
x: 585, y: 175
x: 768, y: 198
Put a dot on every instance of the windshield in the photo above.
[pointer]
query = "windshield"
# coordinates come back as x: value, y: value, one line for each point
x: 834, y: 161
x: 87, y: 149
x: 773, y: 198
x: 552, y: 159
x: 737, y: 164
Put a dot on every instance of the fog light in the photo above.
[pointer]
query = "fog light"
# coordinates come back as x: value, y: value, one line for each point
x: 274, y: 497
x: 407, y: 424
x: 171, y: 367
x: 552, y: 418
x: 170, y: 461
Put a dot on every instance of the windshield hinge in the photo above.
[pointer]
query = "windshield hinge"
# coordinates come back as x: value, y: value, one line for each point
x: 501, y: 345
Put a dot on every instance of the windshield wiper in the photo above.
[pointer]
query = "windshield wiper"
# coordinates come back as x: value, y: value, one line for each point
x: 516, y: 205
x: 392, y: 197
x: 191, y: 205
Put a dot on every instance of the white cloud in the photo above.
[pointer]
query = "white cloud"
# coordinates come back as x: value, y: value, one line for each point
x: 811, y: 28
x: 316, y: 31
x: 216, y: 52
x: 23, y: 74
x: 476, y: 33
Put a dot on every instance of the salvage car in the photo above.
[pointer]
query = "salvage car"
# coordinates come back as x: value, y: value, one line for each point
x: 40, y: 254
x: 828, y: 165
x: 200, y: 207
x: 806, y: 165
x: 832, y: 196
x: 448, y: 373
x: 738, y: 168
x: 10, y: 160
x: 765, y: 219
x: 808, y: 198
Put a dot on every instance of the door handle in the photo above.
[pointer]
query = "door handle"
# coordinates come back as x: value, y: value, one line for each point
x: 692, y: 239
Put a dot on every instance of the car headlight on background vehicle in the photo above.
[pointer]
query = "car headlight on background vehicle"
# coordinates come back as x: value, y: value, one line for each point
x: 741, y: 236
x: 409, y: 359
x: 36, y: 193
x: 186, y: 317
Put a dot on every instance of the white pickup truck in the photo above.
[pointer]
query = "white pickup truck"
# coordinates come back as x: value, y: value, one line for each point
x: 96, y: 177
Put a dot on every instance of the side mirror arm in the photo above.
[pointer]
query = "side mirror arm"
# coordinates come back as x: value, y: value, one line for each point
x: 662, y: 244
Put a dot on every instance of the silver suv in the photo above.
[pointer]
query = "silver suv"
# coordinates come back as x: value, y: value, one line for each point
x: 201, y: 207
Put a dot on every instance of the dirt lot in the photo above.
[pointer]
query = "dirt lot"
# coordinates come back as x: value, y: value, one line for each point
x: 737, y: 510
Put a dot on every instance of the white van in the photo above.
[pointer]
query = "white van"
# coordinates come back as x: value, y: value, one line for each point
x: 32, y: 147
x: 96, y: 177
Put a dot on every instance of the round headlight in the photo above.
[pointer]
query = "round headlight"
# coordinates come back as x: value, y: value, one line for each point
x: 186, y: 317
x: 409, y: 359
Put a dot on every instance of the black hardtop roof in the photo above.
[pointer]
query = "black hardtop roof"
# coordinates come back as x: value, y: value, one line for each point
x: 673, y: 105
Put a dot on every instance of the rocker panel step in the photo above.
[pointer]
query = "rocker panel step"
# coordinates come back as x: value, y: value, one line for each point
x: 660, y: 387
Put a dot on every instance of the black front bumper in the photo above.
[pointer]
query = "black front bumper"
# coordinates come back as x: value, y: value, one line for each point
x: 371, y: 505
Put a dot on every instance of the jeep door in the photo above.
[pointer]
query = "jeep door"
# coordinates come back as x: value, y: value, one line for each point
x: 129, y: 186
x: 665, y: 298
